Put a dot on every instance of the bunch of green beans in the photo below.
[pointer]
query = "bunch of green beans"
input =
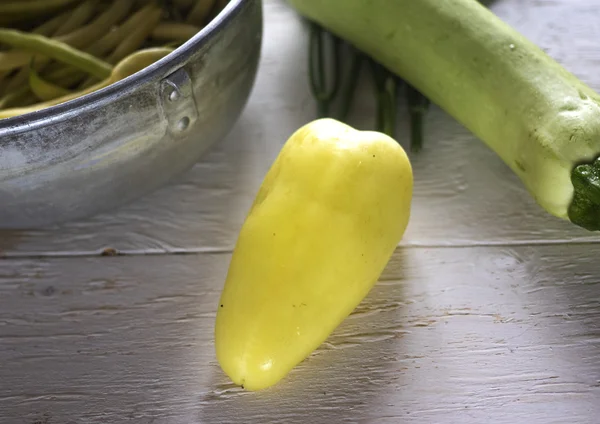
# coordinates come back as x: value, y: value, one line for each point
x: 55, y: 49
x: 326, y: 75
x: 331, y: 83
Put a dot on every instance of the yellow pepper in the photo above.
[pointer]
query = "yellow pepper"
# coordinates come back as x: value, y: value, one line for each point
x: 325, y: 222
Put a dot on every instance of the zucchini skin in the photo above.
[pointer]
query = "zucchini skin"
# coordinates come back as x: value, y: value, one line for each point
x: 540, y: 119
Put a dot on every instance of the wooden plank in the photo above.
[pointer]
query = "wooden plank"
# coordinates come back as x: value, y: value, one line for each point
x: 469, y: 335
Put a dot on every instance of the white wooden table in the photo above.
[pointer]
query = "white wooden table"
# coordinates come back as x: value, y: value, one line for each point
x: 489, y: 311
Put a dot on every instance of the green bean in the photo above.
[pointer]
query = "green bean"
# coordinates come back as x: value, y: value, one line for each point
x: 134, y: 40
x: 109, y: 41
x: 128, y: 66
x: 217, y: 8
x: 18, y: 79
x: 18, y: 10
x: 184, y: 5
x: 79, y: 16
x: 19, y: 6
x: 76, y: 48
x: 3, y: 82
x: 167, y: 31
x: 386, y: 93
x: 26, y: 99
x: 56, y: 50
x: 65, y: 77
x: 391, y: 96
x: 14, y: 98
x: 349, y: 89
x: 14, y: 59
x: 51, y: 26
x: 87, y: 34
x: 42, y: 89
x: 47, y: 28
x: 418, y: 105
x: 137, y: 61
x: 56, y: 73
x: 221, y: 5
x: 21, y: 76
x: 318, y: 43
x: 200, y: 12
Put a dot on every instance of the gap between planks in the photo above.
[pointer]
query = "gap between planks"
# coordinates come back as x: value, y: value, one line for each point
x: 109, y: 251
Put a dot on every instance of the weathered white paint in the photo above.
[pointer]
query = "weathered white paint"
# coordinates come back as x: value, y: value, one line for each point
x: 489, y: 312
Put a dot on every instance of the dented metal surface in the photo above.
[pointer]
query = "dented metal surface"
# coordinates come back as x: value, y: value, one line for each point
x: 112, y: 146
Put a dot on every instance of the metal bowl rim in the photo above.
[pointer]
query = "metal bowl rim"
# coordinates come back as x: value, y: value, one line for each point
x: 31, y: 120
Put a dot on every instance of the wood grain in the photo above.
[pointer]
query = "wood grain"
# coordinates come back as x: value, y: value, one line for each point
x: 489, y: 311
x: 495, y: 334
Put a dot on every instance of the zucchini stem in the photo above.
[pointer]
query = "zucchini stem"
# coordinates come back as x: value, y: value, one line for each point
x: 584, y: 209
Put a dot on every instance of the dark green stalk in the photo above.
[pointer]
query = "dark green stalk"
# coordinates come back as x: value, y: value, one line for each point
x: 584, y: 209
x: 391, y: 99
x: 386, y: 95
x: 386, y: 85
x: 417, y: 107
x: 378, y: 83
x: 317, y: 68
x: 350, y: 88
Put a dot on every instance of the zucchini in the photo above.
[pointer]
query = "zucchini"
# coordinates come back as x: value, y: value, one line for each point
x: 540, y: 119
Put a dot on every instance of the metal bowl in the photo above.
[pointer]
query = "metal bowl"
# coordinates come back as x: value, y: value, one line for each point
x: 105, y: 149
